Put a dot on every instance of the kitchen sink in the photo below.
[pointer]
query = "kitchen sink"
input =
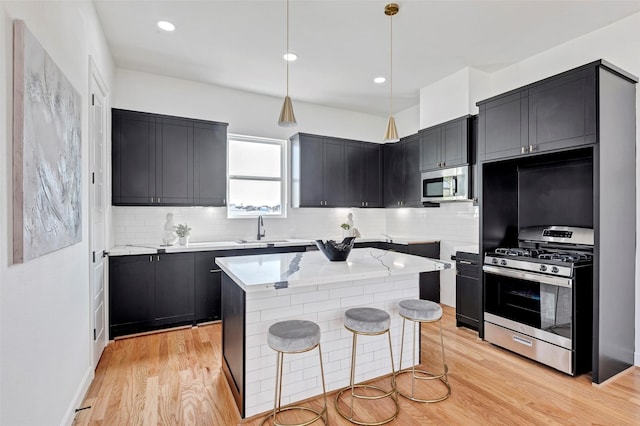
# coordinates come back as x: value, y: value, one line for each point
x: 261, y: 241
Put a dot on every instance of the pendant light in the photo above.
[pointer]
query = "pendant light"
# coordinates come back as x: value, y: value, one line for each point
x: 391, y: 134
x: 287, y: 117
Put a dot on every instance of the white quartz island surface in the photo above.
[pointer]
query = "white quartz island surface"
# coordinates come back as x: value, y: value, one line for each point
x: 283, y: 270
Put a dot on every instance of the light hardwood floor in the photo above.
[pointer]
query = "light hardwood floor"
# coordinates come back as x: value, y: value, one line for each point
x: 174, y: 378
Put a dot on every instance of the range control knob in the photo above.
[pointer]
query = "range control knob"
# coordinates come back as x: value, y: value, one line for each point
x: 494, y: 261
x: 555, y: 269
x: 503, y: 262
x: 543, y: 268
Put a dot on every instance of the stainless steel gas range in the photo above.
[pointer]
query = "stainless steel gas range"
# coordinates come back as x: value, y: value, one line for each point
x: 538, y: 296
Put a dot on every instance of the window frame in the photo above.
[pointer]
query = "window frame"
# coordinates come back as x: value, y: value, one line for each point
x: 282, y: 179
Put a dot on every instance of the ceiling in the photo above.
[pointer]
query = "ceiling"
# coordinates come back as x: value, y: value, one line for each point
x: 341, y: 45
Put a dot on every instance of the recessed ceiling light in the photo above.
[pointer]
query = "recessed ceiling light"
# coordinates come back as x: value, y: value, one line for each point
x: 379, y: 80
x: 166, y: 25
x: 290, y: 56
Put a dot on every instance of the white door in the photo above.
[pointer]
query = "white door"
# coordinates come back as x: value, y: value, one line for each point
x: 97, y: 153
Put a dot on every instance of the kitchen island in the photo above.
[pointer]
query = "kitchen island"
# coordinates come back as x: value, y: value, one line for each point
x: 258, y: 291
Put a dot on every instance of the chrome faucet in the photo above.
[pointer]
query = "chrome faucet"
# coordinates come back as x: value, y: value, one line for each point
x: 260, y: 225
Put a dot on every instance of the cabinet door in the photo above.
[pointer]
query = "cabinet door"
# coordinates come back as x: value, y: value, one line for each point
x: 210, y: 164
x: 311, y: 170
x: 411, y: 195
x: 455, y: 142
x: 393, y: 171
x: 174, y: 298
x: 562, y: 112
x: 355, y: 167
x: 430, y: 148
x: 174, y: 162
x: 333, y: 179
x: 504, y: 128
x: 207, y: 287
x: 372, y: 175
x: 131, y: 294
x: 133, y: 158
x: 468, y: 297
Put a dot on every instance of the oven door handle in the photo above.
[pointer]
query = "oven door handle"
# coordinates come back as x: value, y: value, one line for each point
x: 513, y: 273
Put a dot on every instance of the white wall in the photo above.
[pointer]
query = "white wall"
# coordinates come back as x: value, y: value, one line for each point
x: 45, y: 362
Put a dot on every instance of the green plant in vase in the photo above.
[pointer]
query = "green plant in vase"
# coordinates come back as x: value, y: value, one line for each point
x: 183, y: 232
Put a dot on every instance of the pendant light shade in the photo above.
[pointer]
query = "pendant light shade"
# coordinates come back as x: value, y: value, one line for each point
x: 287, y: 117
x: 391, y: 134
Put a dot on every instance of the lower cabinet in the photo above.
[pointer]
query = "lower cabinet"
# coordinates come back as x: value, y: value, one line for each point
x: 151, y: 292
x: 468, y: 290
x: 147, y: 292
x: 207, y: 289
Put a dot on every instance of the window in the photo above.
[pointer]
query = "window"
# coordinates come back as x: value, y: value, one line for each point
x: 256, y: 183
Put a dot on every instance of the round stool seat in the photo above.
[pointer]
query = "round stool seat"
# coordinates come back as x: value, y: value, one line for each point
x: 420, y: 310
x: 367, y: 320
x: 293, y: 336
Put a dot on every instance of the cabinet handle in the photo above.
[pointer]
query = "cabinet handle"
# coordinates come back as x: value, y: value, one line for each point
x: 150, y: 258
x: 465, y: 262
x: 522, y: 341
x: 444, y: 163
x: 224, y: 201
x: 158, y: 199
x: 366, y: 203
x: 151, y: 200
x: 533, y: 148
x: 158, y: 258
x: 215, y: 270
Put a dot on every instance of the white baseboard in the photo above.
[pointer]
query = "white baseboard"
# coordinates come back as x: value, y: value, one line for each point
x: 636, y: 359
x: 70, y: 414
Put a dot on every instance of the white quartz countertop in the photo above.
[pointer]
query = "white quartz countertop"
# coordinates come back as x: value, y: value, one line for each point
x: 125, y: 250
x: 254, y: 273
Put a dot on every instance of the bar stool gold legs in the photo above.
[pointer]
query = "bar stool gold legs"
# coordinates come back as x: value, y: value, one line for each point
x: 293, y: 337
x: 423, y: 313
x: 375, y: 326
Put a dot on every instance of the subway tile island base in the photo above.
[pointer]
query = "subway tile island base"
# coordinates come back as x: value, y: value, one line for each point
x: 260, y: 290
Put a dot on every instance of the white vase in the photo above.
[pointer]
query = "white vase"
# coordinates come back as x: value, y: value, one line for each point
x: 183, y: 241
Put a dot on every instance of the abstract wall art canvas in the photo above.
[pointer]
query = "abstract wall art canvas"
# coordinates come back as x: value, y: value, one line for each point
x: 46, y: 152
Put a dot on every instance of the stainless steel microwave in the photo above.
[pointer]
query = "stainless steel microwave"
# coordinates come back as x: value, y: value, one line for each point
x: 445, y: 185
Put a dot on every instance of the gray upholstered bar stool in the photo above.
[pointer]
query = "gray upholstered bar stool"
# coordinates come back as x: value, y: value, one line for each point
x: 292, y: 337
x: 419, y: 311
x: 367, y: 322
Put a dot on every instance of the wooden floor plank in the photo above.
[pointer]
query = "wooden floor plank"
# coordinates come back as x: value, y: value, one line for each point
x: 174, y: 378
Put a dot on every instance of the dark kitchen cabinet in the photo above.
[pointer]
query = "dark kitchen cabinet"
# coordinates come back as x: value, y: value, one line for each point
x: 174, y: 286
x: 553, y: 114
x: 503, y: 127
x: 208, y: 278
x: 133, y: 158
x: 334, y: 172
x: 174, y: 162
x: 164, y: 160
x: 210, y: 164
x: 147, y: 292
x: 562, y: 111
x: 131, y: 294
x: 363, y: 175
x: 402, y: 173
x: 445, y: 145
x: 468, y: 290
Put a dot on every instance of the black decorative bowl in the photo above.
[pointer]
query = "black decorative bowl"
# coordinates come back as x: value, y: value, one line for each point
x: 336, y: 252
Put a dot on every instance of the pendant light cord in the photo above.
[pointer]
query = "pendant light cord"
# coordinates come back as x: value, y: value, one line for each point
x: 391, y: 69
x: 287, y: 48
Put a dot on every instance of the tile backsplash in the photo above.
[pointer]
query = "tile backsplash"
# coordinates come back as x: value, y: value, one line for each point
x: 145, y: 225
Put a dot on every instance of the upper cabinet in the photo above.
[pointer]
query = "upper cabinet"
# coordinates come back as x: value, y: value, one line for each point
x: 163, y: 160
x: 402, y: 173
x: 554, y: 114
x: 333, y: 172
x: 445, y: 145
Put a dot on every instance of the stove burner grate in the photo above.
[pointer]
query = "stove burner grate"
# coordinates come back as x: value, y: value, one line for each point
x: 564, y: 256
x: 516, y: 251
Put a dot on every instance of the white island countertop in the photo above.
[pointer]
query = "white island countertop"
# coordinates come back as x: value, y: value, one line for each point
x: 255, y: 273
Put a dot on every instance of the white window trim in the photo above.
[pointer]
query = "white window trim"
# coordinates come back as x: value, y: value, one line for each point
x: 282, y: 179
